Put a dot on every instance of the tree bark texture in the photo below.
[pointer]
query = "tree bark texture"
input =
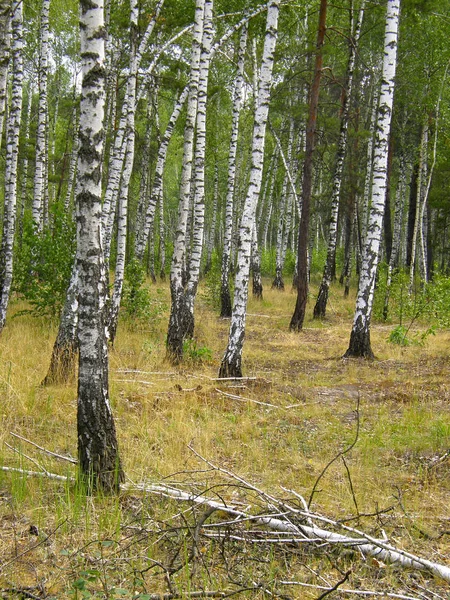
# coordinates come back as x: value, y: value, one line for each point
x: 225, y: 297
x: 179, y: 313
x: 97, y: 444
x: 360, y: 336
x: 231, y: 365
x: 5, y: 42
x: 40, y: 174
x: 12, y: 157
x: 298, y: 317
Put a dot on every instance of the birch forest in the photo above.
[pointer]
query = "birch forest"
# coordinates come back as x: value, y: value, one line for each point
x: 225, y: 298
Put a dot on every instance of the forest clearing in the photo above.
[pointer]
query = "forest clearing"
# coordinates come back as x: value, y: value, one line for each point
x: 301, y: 406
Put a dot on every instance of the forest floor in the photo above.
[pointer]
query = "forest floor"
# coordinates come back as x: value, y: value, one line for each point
x: 249, y: 444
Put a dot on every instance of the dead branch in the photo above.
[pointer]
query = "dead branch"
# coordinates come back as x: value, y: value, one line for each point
x: 242, y: 399
x: 60, y: 456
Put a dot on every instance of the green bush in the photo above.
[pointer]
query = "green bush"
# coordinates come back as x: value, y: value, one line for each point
x: 138, y: 305
x: 43, y: 263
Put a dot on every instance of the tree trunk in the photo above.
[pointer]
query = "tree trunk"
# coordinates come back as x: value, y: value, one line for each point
x: 232, y: 361
x: 419, y: 200
x: 40, y: 178
x: 225, y: 298
x: 256, y: 267
x: 12, y: 156
x: 322, y: 298
x: 62, y: 362
x: 298, y: 317
x: 360, y: 336
x: 5, y: 42
x: 97, y: 444
x: 179, y: 313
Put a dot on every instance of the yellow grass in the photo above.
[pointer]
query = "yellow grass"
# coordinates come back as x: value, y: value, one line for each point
x: 404, y: 421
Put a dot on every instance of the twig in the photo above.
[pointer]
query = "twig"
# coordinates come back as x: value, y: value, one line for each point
x: 338, y: 455
x: 143, y: 382
x: 36, y: 473
x: 335, y: 587
x: 242, y: 399
x: 20, y: 453
x: 60, y: 456
x: 366, y: 593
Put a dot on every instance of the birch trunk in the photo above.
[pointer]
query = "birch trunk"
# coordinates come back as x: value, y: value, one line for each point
x: 257, y: 288
x: 71, y: 179
x: 158, y: 178
x: 298, y: 317
x: 12, y: 157
x: 40, y: 179
x: 126, y: 175
x: 5, y: 41
x: 360, y: 336
x: 211, y: 237
x: 24, y: 182
x: 419, y: 201
x: 232, y: 361
x: 225, y: 298
x: 97, y: 444
x: 178, y: 312
x: 193, y: 274
x: 320, y: 307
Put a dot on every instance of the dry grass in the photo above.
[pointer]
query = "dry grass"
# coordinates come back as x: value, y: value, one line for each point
x: 404, y: 422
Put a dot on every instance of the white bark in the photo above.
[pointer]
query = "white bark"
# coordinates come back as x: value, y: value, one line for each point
x: 97, y: 444
x: 5, y: 41
x: 421, y: 174
x: 360, y: 335
x: 12, y: 157
x: 175, y: 334
x: 231, y: 180
x: 231, y: 362
x: 40, y: 178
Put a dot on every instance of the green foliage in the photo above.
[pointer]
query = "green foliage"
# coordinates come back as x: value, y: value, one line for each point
x: 137, y: 302
x: 400, y: 336
x: 196, y: 354
x: 212, y: 285
x: 43, y: 263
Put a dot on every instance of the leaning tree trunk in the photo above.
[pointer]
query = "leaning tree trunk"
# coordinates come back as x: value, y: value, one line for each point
x: 193, y: 274
x: 178, y: 306
x: 97, y: 444
x: 5, y: 42
x: 232, y: 360
x: 12, y: 157
x: 225, y: 298
x: 40, y: 179
x: 298, y: 317
x: 360, y: 336
x: 322, y: 299
x: 126, y: 176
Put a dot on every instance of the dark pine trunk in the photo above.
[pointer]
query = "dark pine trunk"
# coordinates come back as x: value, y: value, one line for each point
x: 302, y: 282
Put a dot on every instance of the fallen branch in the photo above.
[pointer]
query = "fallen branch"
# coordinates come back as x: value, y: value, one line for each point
x: 242, y: 399
x: 49, y: 452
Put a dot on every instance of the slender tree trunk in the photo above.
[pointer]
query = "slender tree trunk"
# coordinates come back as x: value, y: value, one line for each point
x: 225, y: 298
x: 62, y: 362
x: 418, y: 201
x: 256, y: 267
x: 232, y: 360
x: 179, y: 312
x: 322, y: 298
x: 126, y: 175
x: 71, y: 179
x: 24, y: 182
x: 211, y: 237
x: 360, y: 336
x: 5, y: 42
x: 302, y: 281
x: 12, y: 157
x: 97, y: 444
x: 40, y: 179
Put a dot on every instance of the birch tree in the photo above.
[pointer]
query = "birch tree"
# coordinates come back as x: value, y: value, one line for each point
x: 232, y: 361
x: 225, y: 298
x: 360, y: 336
x: 40, y: 173
x: 5, y: 40
x: 97, y: 444
x: 178, y: 310
x: 12, y: 157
